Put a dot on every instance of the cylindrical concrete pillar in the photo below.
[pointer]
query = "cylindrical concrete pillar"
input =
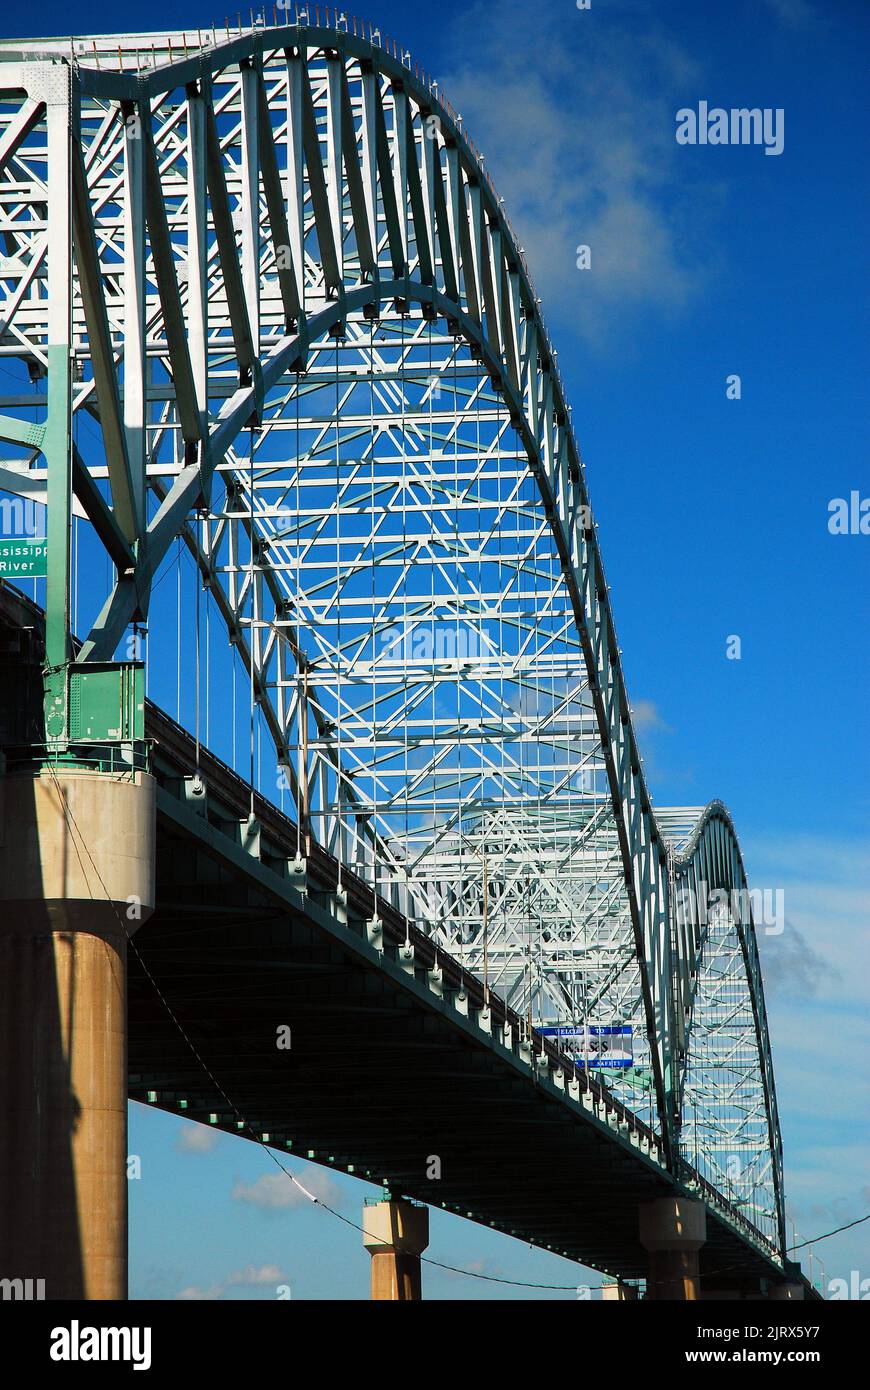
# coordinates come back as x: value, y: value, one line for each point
x: 76, y: 879
x: 617, y: 1292
x: 672, y: 1231
x: 395, y: 1234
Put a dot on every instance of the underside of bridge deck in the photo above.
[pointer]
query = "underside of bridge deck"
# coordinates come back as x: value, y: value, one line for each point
x: 382, y: 1075
x: 394, y: 1060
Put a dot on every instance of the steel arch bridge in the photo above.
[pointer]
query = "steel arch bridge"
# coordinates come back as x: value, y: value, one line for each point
x: 266, y: 272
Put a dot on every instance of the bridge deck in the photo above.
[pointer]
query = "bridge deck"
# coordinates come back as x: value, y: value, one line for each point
x: 385, y: 1070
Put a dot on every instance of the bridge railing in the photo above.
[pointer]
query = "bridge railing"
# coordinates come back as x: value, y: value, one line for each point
x: 115, y: 759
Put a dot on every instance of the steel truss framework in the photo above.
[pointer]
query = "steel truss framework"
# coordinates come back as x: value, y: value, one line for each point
x: 271, y: 268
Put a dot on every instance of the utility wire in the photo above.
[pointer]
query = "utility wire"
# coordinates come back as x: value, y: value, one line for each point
x: 848, y: 1226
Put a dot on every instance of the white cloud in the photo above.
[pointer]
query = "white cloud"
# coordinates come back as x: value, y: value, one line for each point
x: 577, y: 124
x: 478, y: 1267
x: 645, y: 714
x: 826, y: 890
x: 791, y: 966
x: 196, y: 1138
x: 814, y: 1043
x: 194, y: 1294
x: 251, y: 1277
x: 817, y: 986
x: 276, y: 1191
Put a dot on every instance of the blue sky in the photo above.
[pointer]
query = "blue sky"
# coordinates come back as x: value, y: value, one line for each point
x: 706, y: 262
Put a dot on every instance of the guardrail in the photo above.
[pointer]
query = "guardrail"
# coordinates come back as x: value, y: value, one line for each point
x: 114, y: 759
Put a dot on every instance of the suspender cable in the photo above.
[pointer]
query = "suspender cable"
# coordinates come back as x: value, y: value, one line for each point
x: 178, y: 630
x: 501, y: 587
x: 452, y: 570
x: 208, y: 662
x: 339, y: 785
x: 198, y: 584
x: 302, y: 794
x: 405, y: 648
x: 252, y: 636
x: 474, y: 632
x: 301, y: 703
x: 374, y: 638
x: 433, y: 682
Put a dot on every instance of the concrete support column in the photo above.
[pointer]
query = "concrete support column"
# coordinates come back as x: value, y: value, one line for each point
x: 618, y: 1292
x: 395, y: 1234
x: 672, y: 1231
x: 76, y: 879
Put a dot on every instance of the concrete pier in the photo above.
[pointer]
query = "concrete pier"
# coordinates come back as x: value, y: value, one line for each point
x: 76, y: 879
x: 396, y: 1234
x: 672, y: 1231
x: 618, y: 1292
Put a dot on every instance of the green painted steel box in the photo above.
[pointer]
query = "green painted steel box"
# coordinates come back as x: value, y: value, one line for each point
x: 106, y: 701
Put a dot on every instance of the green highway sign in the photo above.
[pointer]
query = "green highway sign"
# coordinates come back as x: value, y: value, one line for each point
x: 23, y: 557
